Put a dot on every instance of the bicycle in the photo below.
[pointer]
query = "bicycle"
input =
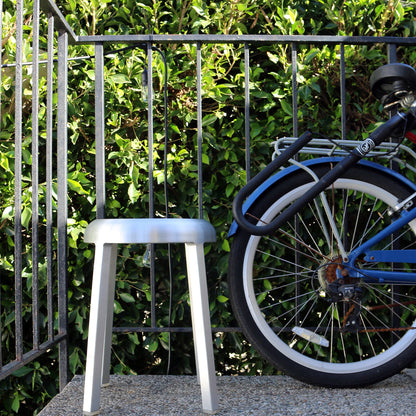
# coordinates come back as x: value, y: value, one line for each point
x: 322, y: 275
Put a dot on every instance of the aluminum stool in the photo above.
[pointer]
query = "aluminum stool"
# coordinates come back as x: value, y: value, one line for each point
x: 106, y: 234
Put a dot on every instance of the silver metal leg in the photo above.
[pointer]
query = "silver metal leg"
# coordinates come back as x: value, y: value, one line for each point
x: 105, y: 376
x: 201, y: 325
x: 99, y: 333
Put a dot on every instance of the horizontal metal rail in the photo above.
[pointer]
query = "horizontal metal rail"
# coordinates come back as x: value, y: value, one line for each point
x: 172, y: 329
x: 241, y: 39
x: 28, y: 357
x: 49, y: 6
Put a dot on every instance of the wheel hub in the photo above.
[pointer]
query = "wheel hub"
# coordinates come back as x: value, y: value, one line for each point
x: 335, y: 280
x: 338, y: 286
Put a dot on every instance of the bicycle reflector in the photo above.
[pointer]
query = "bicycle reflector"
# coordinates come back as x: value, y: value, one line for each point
x: 411, y: 128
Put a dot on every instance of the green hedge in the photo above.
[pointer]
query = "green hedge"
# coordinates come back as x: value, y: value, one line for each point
x: 223, y: 162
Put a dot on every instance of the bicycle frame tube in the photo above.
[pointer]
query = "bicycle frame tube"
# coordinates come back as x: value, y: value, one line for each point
x: 390, y: 256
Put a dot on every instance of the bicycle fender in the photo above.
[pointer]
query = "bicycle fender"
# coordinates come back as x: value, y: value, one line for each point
x: 285, y: 172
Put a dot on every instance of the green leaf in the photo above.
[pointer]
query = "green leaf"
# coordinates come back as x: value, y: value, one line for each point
x: 23, y: 371
x: 76, y: 187
x: 133, y: 193
x: 222, y: 298
x: 287, y: 108
x: 4, y: 162
x: 209, y: 119
x: 127, y: 297
x: 16, y: 404
x: 175, y: 128
x: 229, y: 189
x: 9, y: 319
x: 74, y: 361
x: 26, y: 216
x: 261, y: 297
x: 120, y: 79
x: 91, y: 74
x: 151, y: 344
x: 117, y: 307
x: 134, y: 338
x: 7, y: 213
x: 225, y: 245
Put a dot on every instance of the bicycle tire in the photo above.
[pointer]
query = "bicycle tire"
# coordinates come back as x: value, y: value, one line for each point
x: 277, y: 285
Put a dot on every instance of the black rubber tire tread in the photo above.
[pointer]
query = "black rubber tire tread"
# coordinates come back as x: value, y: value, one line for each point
x: 252, y: 332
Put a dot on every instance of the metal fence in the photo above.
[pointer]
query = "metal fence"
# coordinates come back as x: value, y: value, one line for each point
x: 51, y: 209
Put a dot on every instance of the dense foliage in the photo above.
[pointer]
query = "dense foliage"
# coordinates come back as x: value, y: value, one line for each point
x: 223, y: 149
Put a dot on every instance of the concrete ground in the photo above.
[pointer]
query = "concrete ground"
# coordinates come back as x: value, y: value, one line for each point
x: 260, y: 396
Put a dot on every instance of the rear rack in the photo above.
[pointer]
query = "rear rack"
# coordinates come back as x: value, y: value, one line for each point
x: 334, y: 147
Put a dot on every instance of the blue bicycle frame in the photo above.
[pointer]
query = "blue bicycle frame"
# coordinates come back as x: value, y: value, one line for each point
x: 388, y: 256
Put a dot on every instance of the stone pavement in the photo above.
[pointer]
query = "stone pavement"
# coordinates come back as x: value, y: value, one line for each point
x: 149, y: 395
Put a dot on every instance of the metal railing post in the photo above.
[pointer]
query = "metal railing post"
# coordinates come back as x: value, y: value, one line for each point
x: 150, y: 139
x: 295, y: 89
x: 49, y: 175
x: 247, y: 109
x: 199, y: 127
x: 99, y: 130
x: 18, y: 181
x: 35, y: 175
x: 343, y: 93
x: 62, y: 162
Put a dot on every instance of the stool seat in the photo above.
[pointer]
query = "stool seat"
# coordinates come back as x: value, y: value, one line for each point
x: 106, y: 234
x: 150, y: 230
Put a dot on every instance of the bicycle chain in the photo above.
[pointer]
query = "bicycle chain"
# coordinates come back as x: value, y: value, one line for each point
x: 392, y: 305
x: 402, y: 328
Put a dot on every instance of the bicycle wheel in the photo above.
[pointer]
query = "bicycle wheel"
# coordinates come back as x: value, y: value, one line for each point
x: 282, y: 286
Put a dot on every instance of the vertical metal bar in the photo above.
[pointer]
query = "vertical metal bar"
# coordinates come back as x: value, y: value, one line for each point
x: 62, y: 147
x: 295, y: 134
x: 150, y: 127
x: 295, y: 89
x: 18, y: 181
x: 35, y: 175
x: 343, y: 93
x: 199, y: 127
x: 395, y: 289
x: 392, y: 53
x: 344, y: 132
x: 1, y: 58
x: 151, y: 180
x: 49, y: 167
x: 247, y: 108
x: 99, y: 130
x: 346, y: 241
x: 1, y: 42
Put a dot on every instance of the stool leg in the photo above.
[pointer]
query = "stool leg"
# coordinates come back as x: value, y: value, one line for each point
x: 105, y: 375
x: 102, y: 282
x: 201, y: 323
